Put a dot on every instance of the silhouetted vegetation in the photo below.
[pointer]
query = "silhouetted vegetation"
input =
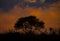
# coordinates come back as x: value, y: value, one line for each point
x: 28, y: 22
x: 29, y: 37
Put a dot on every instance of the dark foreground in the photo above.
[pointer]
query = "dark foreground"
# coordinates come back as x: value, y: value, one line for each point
x: 29, y: 37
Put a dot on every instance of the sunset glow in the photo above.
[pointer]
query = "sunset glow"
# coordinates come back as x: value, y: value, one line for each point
x: 50, y: 15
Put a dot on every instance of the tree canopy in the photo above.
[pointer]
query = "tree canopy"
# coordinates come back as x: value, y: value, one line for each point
x: 28, y: 22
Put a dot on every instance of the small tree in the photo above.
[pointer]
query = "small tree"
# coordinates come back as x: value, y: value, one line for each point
x: 28, y: 22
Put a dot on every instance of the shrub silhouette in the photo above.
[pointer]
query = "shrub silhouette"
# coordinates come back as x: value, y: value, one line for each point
x: 28, y: 22
x: 28, y: 37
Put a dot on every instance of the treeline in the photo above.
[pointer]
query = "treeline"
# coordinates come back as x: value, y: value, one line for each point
x: 29, y: 36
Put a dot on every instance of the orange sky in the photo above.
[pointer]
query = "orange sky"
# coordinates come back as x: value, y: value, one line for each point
x: 51, y: 16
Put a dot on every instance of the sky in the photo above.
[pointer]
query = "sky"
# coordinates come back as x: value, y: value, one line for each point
x: 45, y: 10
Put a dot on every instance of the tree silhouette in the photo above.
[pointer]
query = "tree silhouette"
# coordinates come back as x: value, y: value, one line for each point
x: 28, y: 22
x: 59, y: 30
x: 51, y: 30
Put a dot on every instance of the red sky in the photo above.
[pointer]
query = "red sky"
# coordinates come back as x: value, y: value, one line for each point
x: 51, y: 16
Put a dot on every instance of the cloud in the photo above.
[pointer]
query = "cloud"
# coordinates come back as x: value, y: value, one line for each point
x: 37, y: 3
x: 8, y: 5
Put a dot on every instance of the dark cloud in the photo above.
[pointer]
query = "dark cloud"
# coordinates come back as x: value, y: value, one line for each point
x: 7, y: 5
x: 37, y: 3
